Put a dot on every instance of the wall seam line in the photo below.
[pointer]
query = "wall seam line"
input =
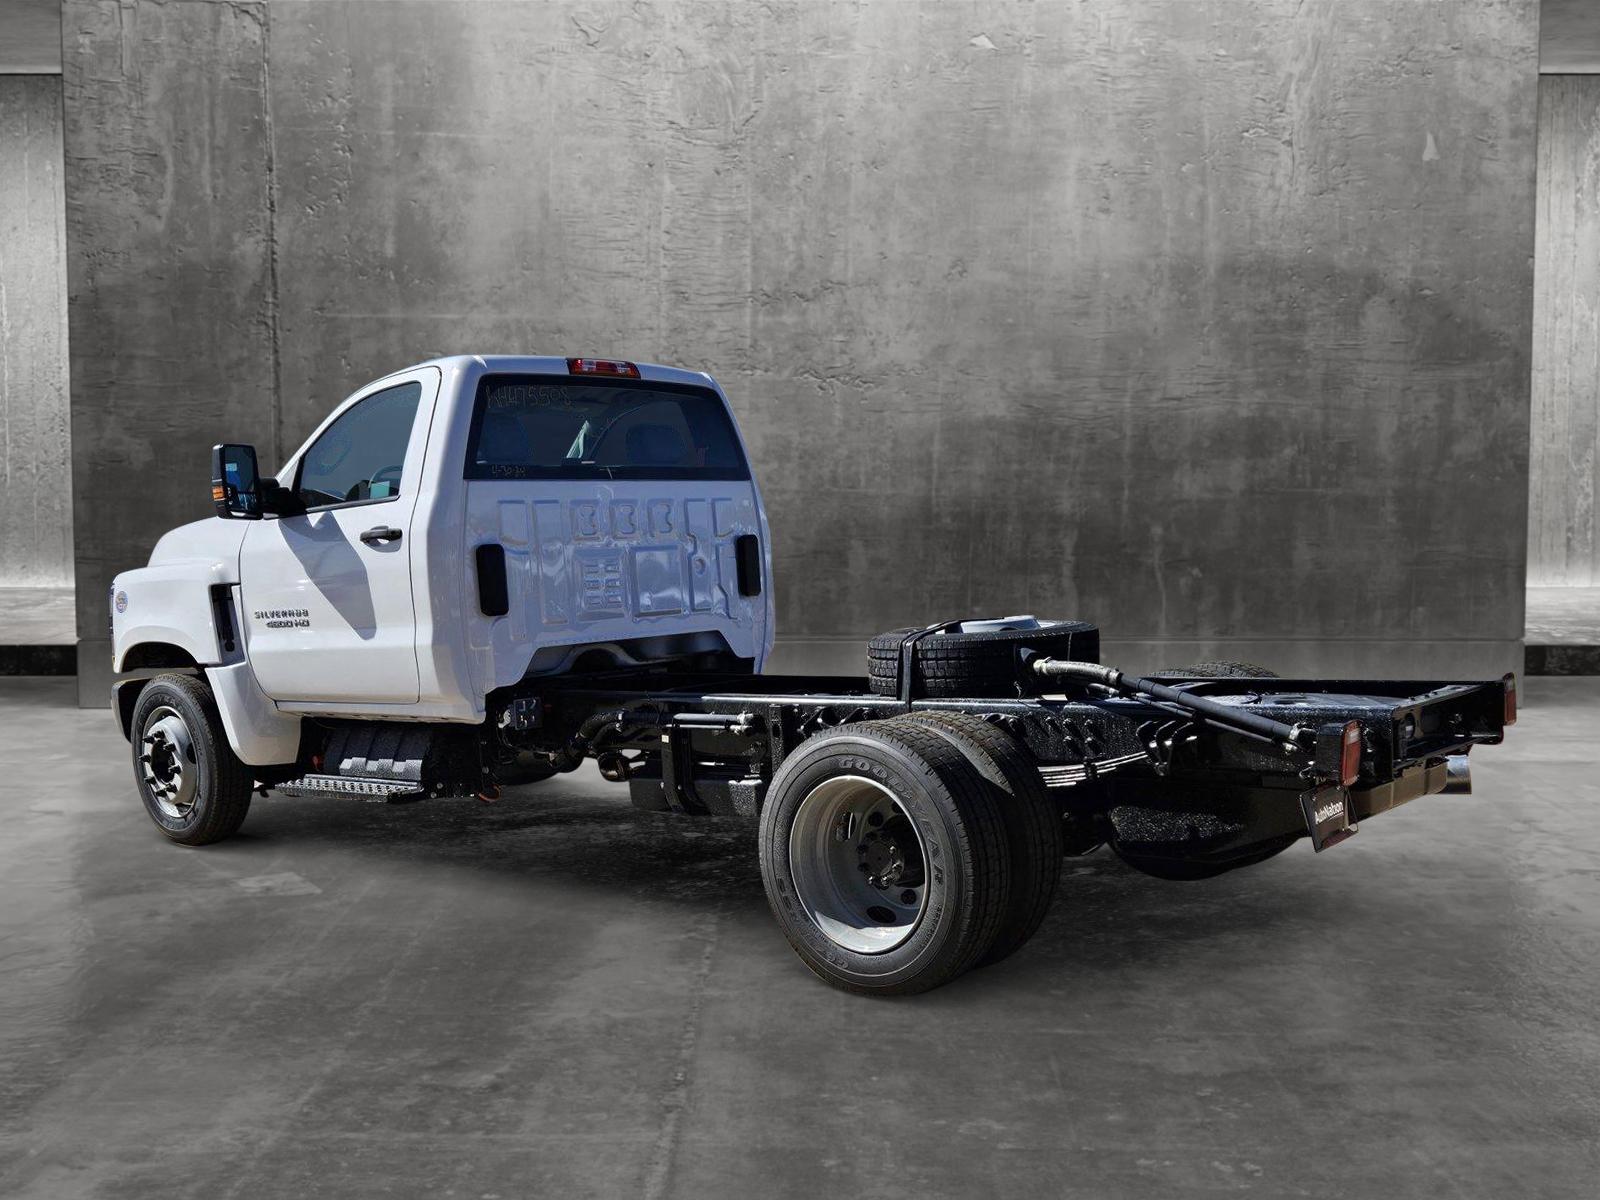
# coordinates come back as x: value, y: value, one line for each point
x: 273, y: 316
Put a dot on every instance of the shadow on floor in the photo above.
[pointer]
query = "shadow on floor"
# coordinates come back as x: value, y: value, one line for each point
x: 1106, y: 915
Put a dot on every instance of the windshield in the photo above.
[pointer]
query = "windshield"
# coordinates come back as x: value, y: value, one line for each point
x: 559, y: 427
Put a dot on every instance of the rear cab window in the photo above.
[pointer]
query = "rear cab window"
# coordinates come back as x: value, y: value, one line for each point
x: 562, y: 427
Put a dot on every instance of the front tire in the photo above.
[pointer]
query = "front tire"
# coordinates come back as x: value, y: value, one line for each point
x: 884, y: 858
x: 193, y: 786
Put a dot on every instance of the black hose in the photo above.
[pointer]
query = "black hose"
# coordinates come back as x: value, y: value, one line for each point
x: 578, y: 746
x: 571, y: 756
x: 1229, y: 716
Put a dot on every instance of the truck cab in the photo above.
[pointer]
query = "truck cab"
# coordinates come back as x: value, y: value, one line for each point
x: 455, y: 528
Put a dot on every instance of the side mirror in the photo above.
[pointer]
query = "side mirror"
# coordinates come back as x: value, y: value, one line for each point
x: 235, y: 482
x: 279, y: 501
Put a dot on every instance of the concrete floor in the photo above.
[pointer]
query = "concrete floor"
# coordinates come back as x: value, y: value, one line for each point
x: 37, y: 616
x: 560, y: 996
x: 1563, y: 616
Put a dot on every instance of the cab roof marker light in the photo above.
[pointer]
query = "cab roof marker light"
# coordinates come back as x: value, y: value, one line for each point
x: 602, y: 366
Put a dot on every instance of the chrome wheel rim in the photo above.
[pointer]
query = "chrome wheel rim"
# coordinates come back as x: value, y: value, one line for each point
x: 858, y: 864
x: 167, y: 761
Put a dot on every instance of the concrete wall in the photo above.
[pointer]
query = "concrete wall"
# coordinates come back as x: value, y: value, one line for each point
x: 1209, y: 321
x: 35, y: 453
x: 1569, y: 37
x: 1563, y: 535
x: 30, y: 37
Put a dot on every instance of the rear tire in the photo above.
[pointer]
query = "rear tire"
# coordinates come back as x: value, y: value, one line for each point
x: 1033, y: 822
x: 192, y: 784
x: 884, y: 858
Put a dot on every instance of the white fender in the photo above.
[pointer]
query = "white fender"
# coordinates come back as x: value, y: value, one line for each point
x: 259, y: 733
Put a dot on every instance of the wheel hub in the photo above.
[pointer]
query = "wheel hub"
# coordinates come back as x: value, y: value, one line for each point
x: 858, y: 864
x: 888, y: 858
x: 882, y: 861
x: 167, y: 762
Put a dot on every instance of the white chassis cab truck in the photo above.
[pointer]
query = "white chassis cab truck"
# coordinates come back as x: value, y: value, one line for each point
x: 483, y: 570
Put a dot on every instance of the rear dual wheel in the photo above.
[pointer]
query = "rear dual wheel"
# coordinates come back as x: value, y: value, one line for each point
x: 1032, y: 822
x: 890, y: 854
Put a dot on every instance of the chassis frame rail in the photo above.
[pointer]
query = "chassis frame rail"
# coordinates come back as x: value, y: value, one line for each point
x: 710, y: 743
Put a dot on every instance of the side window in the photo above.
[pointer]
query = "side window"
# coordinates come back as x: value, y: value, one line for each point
x: 362, y: 454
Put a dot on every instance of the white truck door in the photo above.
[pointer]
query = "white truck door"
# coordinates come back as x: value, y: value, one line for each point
x: 327, y: 594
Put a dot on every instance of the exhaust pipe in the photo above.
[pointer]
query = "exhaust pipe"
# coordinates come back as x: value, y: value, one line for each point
x: 1458, y: 776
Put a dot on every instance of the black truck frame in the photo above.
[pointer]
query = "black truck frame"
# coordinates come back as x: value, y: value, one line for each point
x: 906, y: 837
x: 711, y: 744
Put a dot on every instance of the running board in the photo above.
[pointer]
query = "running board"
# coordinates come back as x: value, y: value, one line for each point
x: 391, y: 791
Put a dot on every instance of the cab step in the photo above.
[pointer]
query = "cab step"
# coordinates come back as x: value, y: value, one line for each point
x: 357, y: 787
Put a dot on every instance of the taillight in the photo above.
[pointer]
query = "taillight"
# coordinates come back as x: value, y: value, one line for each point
x: 1509, y: 683
x: 602, y: 366
x: 1350, y: 754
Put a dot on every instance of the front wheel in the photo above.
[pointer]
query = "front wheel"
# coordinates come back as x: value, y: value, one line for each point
x: 193, y: 785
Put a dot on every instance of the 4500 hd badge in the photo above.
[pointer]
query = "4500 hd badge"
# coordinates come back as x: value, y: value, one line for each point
x: 284, y: 618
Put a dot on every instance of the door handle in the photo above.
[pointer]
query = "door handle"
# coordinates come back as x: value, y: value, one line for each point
x: 380, y: 533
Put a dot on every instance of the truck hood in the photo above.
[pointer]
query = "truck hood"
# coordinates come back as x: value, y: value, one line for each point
x: 210, y: 541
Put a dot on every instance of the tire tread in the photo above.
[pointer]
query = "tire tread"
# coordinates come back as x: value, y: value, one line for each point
x: 1032, y: 820
x: 973, y: 664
